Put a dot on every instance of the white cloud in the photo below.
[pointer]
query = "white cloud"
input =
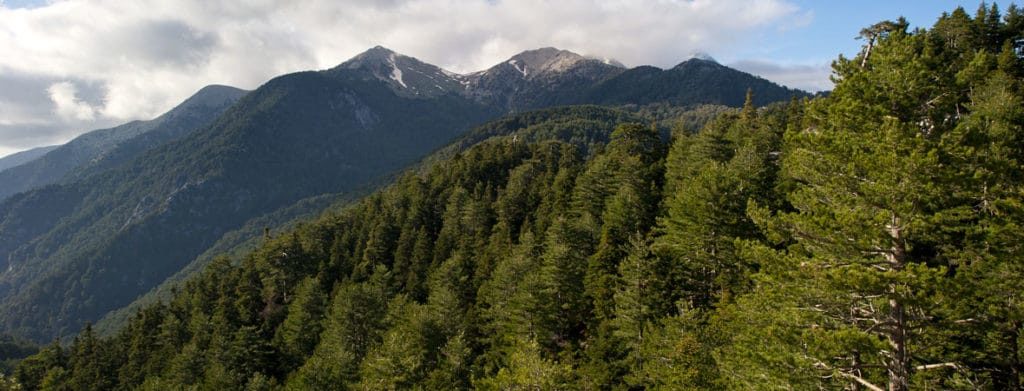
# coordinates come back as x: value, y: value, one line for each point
x: 809, y: 77
x: 65, y: 98
x: 148, y: 55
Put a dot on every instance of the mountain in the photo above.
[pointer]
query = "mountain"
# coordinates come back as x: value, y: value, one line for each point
x: 17, y: 159
x: 550, y: 77
x: 407, y: 76
x: 443, y: 270
x: 561, y: 123
x: 845, y: 242
x: 104, y: 148
x: 696, y: 80
x: 197, y: 111
x: 539, y: 78
x: 95, y: 245
x: 130, y: 219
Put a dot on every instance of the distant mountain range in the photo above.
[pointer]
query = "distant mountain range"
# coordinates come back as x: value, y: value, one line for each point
x: 551, y: 77
x: 105, y: 148
x: 90, y: 226
x: 17, y: 159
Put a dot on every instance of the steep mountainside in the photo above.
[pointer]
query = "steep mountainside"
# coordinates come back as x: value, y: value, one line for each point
x: 130, y: 219
x: 118, y: 233
x: 559, y: 123
x: 437, y: 270
x: 197, y: 111
x: 17, y: 159
x: 867, y: 239
x: 104, y: 148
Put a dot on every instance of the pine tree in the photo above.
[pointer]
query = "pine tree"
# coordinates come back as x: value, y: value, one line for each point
x: 298, y: 334
x: 88, y: 363
x: 857, y: 287
x: 31, y: 371
x: 638, y: 300
x: 987, y: 148
x: 678, y: 354
x: 528, y: 370
x: 511, y: 299
x: 353, y: 325
x: 561, y: 276
x: 408, y: 349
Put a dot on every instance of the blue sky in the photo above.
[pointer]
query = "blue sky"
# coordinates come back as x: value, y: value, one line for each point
x: 833, y: 25
x: 70, y: 66
x: 23, y: 3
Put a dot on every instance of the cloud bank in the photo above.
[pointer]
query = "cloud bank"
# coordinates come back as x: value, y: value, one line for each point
x: 72, y: 66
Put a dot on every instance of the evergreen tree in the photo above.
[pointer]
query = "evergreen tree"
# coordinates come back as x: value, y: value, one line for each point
x: 297, y: 336
x: 855, y: 291
x: 638, y: 300
x: 353, y: 325
x: 527, y: 370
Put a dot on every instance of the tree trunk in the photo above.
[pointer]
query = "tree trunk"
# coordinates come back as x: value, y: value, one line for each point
x: 899, y: 363
x: 867, y: 51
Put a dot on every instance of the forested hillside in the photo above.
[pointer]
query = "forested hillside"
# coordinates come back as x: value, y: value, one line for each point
x: 17, y: 159
x: 73, y: 252
x: 868, y: 239
x: 131, y: 211
x: 102, y: 149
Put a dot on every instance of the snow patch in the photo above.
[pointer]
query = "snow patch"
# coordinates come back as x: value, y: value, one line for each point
x: 396, y: 74
x: 515, y: 64
x: 703, y: 56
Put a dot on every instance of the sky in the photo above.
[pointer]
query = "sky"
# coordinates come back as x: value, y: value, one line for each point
x: 71, y: 66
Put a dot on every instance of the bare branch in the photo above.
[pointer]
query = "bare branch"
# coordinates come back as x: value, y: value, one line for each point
x: 863, y: 382
x: 934, y: 366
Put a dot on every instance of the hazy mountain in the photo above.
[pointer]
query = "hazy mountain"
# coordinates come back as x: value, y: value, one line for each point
x: 198, y: 110
x: 696, y: 80
x: 104, y: 148
x: 128, y: 219
x: 17, y: 159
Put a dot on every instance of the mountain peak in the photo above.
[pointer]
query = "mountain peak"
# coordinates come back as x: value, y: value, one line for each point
x: 407, y: 76
x: 697, y: 62
x: 544, y: 60
x: 703, y: 56
x: 378, y: 50
x: 213, y: 95
x: 375, y: 54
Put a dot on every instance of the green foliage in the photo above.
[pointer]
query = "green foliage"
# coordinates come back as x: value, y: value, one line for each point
x: 868, y: 239
x: 889, y: 212
x: 13, y: 350
x: 527, y: 370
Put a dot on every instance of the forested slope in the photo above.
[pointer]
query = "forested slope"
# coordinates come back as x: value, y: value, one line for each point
x: 870, y: 238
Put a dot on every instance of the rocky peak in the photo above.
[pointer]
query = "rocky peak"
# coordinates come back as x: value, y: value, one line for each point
x: 406, y: 75
x: 373, y: 56
x: 544, y: 60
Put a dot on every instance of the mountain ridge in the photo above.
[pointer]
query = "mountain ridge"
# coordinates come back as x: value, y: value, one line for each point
x: 77, y: 250
x: 22, y: 157
x: 561, y: 77
x: 93, y: 147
